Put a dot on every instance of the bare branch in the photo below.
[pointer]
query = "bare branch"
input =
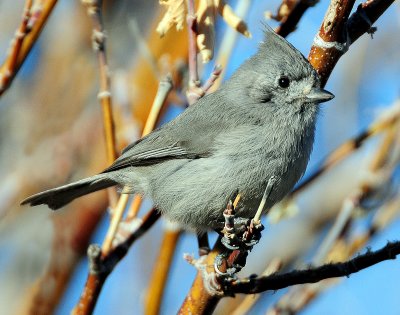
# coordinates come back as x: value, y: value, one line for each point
x: 101, y: 267
x: 291, y: 19
x: 312, y: 275
x: 337, y: 32
x: 33, y: 20
x: 99, y: 46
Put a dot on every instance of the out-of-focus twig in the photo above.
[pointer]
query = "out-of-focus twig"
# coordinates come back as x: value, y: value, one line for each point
x: 292, y: 16
x: 228, y: 41
x: 297, y: 299
x: 161, y: 269
x: 33, y: 20
x: 143, y: 47
x: 101, y: 266
x: 194, y: 82
x: 334, y: 247
x: 115, y: 220
x: 379, y: 125
x: 164, y: 88
x: 99, y: 46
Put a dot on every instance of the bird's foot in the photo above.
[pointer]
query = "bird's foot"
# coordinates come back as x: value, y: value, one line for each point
x: 239, y: 237
x: 238, y: 232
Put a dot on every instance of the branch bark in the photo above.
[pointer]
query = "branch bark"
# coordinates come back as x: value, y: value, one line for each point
x: 338, y: 32
x: 290, y: 20
x: 26, y: 36
x: 312, y: 275
x: 101, y: 266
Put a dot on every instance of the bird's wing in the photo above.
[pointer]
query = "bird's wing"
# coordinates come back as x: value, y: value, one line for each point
x: 183, y: 138
x: 142, y: 153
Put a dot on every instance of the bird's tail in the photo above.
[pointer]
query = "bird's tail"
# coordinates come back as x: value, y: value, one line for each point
x: 58, y: 197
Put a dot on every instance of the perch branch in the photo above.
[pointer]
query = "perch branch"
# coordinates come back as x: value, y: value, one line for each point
x: 312, y: 275
x: 194, y: 82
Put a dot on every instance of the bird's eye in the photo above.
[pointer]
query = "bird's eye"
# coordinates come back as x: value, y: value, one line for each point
x: 284, y: 82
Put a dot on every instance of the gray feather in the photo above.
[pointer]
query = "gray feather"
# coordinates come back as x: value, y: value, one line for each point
x: 236, y: 138
x: 60, y: 196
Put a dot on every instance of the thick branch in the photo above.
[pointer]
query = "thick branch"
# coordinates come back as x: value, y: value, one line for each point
x: 312, y: 275
x: 331, y: 41
x: 337, y: 32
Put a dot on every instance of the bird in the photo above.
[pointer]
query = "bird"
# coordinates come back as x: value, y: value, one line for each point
x: 260, y: 124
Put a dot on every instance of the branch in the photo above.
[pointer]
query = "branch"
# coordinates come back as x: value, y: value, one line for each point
x: 164, y: 87
x: 161, y: 269
x: 204, y: 293
x: 99, y: 46
x: 312, y: 275
x: 290, y: 20
x: 194, y: 82
x: 33, y: 21
x: 337, y: 32
x: 100, y: 267
x: 331, y: 42
x: 367, y: 13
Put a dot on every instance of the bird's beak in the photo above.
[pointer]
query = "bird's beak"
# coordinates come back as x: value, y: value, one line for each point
x: 317, y: 95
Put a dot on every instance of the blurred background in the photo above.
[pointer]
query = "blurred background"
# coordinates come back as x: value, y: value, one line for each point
x: 51, y: 132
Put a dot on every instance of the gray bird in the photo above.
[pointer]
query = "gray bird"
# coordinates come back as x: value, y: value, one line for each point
x: 259, y: 124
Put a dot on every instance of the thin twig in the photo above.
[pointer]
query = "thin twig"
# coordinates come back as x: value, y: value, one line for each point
x: 164, y: 88
x: 366, y: 15
x: 33, y: 21
x: 194, y: 82
x: 94, y: 11
x: 20, y: 34
x: 312, y: 275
